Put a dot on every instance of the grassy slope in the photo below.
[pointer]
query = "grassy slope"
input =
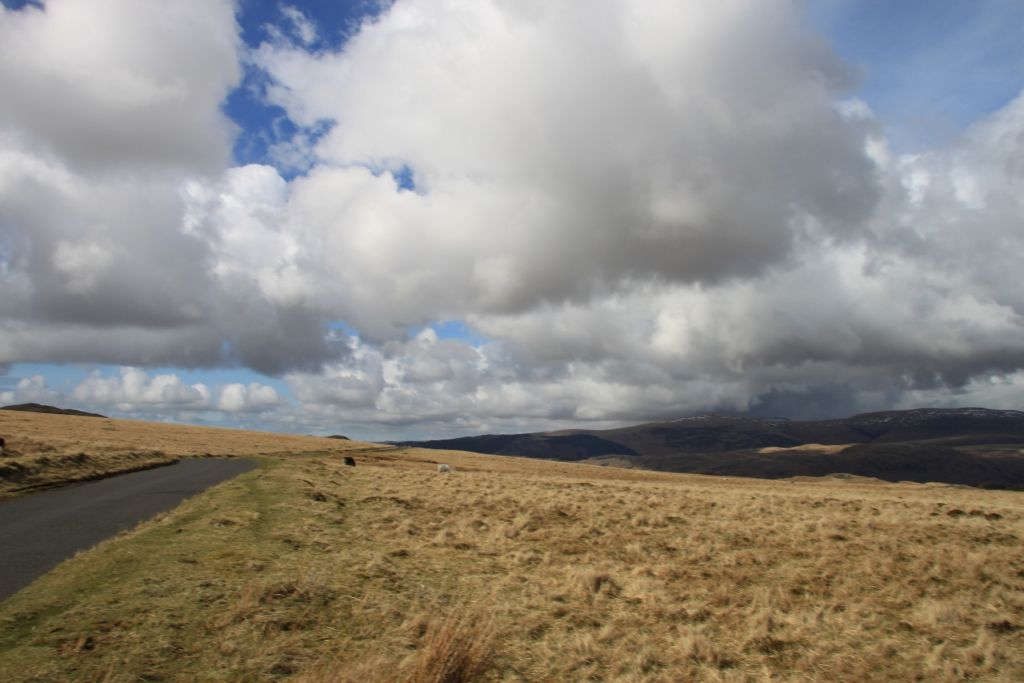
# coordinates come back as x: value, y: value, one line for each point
x: 45, y: 450
x: 309, y: 570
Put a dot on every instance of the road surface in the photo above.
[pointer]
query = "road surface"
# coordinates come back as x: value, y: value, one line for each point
x: 39, y: 531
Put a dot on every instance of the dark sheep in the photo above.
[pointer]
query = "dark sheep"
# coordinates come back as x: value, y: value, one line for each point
x: 3, y: 445
x: 350, y: 461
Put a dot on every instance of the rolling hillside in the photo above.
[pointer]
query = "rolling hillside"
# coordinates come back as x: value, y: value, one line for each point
x: 517, y: 569
x: 971, y: 446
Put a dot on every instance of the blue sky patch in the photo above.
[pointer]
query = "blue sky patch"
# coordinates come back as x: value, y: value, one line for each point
x: 929, y: 68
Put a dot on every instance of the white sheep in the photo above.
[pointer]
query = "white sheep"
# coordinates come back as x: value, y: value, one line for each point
x: 445, y: 469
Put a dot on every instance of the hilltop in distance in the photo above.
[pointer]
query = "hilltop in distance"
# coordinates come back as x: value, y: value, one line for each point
x: 51, y: 410
x: 971, y: 446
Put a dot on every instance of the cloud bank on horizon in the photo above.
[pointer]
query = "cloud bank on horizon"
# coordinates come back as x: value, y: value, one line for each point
x: 641, y: 210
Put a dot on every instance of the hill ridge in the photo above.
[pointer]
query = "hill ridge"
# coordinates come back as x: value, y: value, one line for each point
x: 974, y: 446
x: 51, y: 410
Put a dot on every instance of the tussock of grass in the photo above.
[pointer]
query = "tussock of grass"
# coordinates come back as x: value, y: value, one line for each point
x: 456, y: 650
x: 574, y: 573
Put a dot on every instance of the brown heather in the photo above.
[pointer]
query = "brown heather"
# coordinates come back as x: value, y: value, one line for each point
x: 521, y: 570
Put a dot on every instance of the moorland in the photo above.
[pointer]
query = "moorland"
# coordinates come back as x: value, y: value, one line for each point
x: 516, y: 569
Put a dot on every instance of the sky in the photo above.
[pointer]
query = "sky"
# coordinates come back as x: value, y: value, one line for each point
x: 430, y: 218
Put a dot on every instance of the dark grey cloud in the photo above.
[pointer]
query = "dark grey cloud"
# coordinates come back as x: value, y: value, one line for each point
x: 576, y: 150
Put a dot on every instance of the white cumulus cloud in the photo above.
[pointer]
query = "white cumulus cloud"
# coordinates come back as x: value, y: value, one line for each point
x: 645, y: 209
x: 254, y: 397
x: 134, y: 389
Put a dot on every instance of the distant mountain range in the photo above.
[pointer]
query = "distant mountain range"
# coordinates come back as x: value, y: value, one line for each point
x: 972, y: 446
x: 53, y: 410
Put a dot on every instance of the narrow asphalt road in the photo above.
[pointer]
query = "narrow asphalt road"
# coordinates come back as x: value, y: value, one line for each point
x: 41, y: 530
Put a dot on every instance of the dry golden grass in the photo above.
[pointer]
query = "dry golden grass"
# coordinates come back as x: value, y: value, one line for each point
x: 522, y: 570
x: 827, y: 449
x: 46, y: 450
